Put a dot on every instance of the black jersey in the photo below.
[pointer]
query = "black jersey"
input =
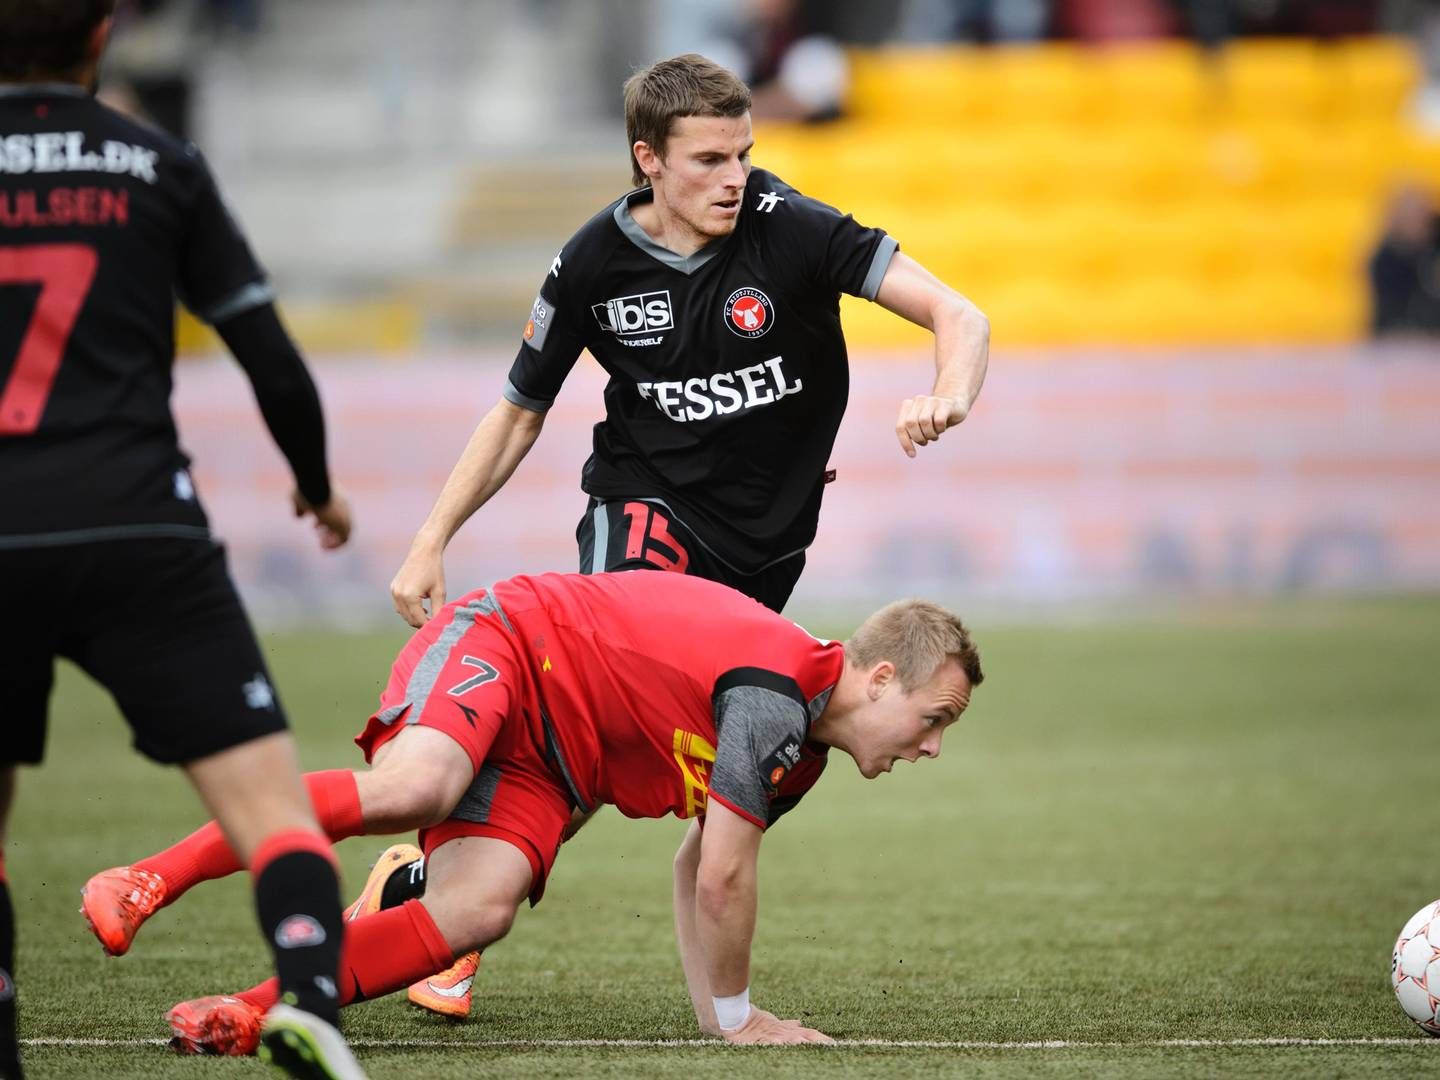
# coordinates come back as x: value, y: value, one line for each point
x: 728, y: 371
x: 103, y: 221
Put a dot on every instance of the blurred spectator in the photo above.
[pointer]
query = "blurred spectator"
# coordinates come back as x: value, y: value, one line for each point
x: 974, y: 20
x: 148, y: 68
x: 1405, y: 269
x: 796, y: 69
x: 1420, y: 19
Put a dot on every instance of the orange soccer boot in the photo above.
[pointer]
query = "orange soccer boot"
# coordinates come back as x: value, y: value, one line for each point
x: 395, y: 859
x: 448, y: 993
x: 117, y: 902
x: 220, y: 1025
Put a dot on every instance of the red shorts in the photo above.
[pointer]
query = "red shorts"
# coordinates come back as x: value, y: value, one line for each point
x: 461, y: 674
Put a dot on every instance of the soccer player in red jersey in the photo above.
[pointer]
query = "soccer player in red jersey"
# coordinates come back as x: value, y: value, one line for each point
x: 657, y: 693
x: 106, y: 556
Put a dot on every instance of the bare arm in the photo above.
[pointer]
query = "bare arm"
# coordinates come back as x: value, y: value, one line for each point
x: 692, y: 958
x: 500, y: 442
x: 726, y: 894
x: 962, y: 349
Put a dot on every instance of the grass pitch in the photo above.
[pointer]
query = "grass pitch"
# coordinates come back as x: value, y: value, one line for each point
x: 1206, y: 827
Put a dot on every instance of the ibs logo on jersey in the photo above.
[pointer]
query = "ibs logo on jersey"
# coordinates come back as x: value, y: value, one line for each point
x: 748, y: 313
x: 643, y: 313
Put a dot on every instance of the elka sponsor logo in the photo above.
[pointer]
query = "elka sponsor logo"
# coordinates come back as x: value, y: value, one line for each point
x: 723, y: 393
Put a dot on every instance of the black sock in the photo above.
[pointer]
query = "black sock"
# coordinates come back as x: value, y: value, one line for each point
x: 9, y: 1037
x: 407, y: 883
x: 297, y: 896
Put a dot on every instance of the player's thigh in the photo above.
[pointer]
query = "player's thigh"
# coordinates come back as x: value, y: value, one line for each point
x: 174, y: 647
x: 38, y: 595
x: 630, y: 534
x: 516, y: 799
x: 459, y: 675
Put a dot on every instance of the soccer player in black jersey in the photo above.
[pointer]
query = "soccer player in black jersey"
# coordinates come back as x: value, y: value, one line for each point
x: 710, y: 296
x: 105, y: 554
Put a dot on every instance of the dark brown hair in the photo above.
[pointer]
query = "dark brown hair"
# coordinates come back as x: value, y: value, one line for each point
x: 688, y: 85
x: 47, y: 38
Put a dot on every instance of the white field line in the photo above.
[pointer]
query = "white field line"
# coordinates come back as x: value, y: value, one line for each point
x: 884, y: 1044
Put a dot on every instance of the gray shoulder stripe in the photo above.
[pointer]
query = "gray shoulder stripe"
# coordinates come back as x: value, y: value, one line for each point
x: 427, y: 671
x: 246, y: 298
x: 878, y: 265
x: 515, y: 397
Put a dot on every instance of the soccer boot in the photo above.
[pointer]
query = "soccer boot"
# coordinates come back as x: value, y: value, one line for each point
x: 304, y: 1046
x: 395, y: 859
x: 220, y: 1025
x: 117, y: 902
x: 448, y: 994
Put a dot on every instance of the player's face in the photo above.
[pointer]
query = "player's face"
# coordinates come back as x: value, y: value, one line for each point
x: 703, y: 173
x: 900, y: 726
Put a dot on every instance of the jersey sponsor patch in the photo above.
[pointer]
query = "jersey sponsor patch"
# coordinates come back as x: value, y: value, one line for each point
x: 779, y: 762
x: 748, y: 312
x: 642, y: 313
x: 542, y: 314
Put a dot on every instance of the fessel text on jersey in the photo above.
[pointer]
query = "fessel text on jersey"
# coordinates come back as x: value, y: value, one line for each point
x: 722, y: 393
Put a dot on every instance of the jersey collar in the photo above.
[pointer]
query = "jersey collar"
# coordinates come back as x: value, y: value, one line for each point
x: 686, y: 264
x: 45, y: 89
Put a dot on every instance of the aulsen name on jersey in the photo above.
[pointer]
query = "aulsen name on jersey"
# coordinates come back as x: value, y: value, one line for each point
x: 64, y: 151
x: 722, y: 393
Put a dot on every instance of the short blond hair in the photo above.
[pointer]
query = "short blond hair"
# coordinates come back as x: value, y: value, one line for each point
x: 688, y: 85
x: 917, y: 637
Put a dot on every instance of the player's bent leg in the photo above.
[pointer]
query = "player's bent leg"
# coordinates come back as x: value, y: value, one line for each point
x: 419, y: 775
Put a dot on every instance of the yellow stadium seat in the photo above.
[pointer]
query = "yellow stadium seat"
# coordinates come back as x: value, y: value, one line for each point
x: 900, y: 86
x: 1160, y: 82
x: 1274, y: 78
x: 1375, y: 76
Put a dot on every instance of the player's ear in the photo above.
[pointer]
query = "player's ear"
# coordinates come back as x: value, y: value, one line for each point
x: 647, y: 158
x: 881, y: 676
x: 98, y: 38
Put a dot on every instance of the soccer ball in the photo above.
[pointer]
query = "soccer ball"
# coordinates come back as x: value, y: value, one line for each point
x: 1415, y: 968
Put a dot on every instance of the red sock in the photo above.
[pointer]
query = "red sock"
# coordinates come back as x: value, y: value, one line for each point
x: 205, y: 855
x: 383, y: 953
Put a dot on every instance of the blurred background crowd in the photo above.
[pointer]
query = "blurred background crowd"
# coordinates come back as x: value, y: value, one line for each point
x: 1204, y: 232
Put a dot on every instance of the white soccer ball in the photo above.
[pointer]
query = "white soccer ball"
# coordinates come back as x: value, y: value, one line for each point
x: 1415, y: 968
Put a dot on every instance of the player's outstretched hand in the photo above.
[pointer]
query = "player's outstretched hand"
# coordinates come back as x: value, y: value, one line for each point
x: 923, y: 419
x: 766, y: 1029
x: 332, y: 521
x: 421, y: 577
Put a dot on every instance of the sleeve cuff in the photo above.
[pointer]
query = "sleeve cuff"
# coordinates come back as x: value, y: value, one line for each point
x: 878, y: 265
x: 246, y: 298
x: 757, y: 822
x: 515, y: 397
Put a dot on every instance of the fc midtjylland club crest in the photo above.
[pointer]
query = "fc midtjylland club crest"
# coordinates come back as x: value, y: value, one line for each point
x: 749, y: 313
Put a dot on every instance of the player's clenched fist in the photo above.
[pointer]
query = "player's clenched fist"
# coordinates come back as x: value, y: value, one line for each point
x: 923, y: 418
x: 765, y: 1029
x: 421, y: 577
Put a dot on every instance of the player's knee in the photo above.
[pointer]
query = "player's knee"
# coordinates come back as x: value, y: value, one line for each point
x: 468, y: 924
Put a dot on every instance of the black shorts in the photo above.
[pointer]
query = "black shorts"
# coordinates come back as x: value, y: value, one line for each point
x: 157, y: 622
x: 636, y: 534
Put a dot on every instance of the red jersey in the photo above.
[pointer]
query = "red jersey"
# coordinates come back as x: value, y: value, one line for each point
x: 660, y: 691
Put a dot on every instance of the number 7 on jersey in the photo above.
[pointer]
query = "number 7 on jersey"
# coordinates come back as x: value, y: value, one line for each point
x: 64, y: 273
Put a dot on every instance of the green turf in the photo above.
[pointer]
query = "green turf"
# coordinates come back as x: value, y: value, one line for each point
x: 1207, y: 825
